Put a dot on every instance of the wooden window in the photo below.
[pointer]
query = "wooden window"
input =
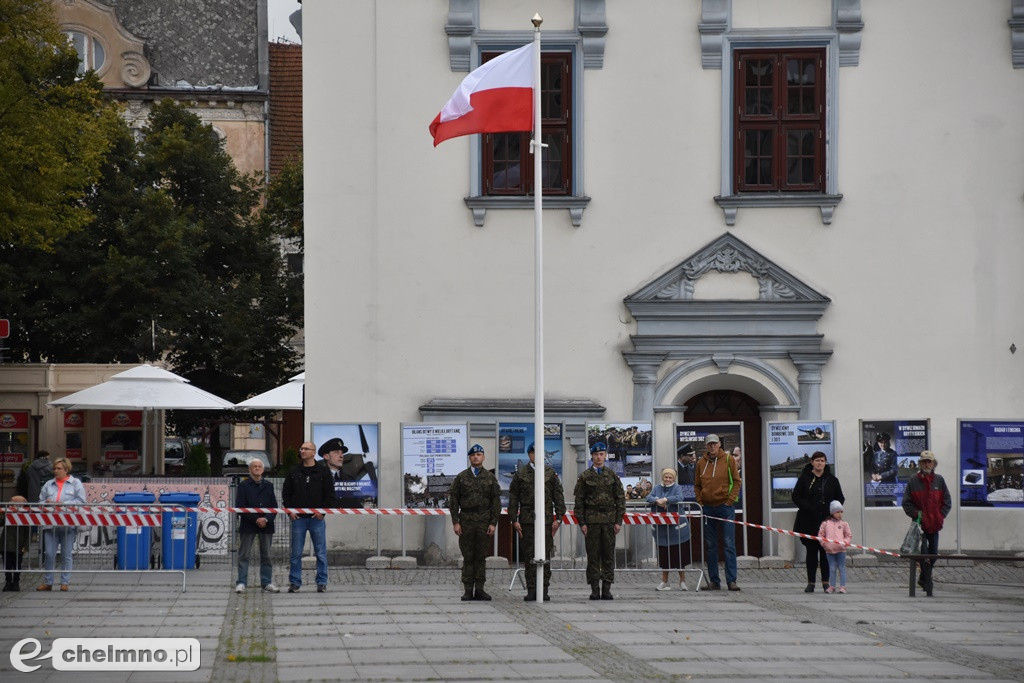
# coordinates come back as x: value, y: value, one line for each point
x: 507, y: 162
x: 780, y: 120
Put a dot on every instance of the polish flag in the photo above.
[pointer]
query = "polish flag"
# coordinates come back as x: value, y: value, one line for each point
x: 497, y: 97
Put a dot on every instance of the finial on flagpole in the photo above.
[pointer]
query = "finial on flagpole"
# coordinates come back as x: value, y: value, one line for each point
x: 537, y: 21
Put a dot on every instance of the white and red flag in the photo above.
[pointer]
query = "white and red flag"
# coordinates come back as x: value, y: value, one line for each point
x: 496, y: 97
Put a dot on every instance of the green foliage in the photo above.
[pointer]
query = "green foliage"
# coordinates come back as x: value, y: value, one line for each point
x: 289, y: 459
x: 197, y: 464
x: 55, y: 128
x: 178, y: 263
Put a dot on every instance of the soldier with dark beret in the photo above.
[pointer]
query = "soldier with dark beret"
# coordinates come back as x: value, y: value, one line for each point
x: 600, y: 505
x: 475, y: 503
x: 522, y: 513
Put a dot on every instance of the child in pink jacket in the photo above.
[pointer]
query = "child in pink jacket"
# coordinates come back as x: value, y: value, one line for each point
x: 838, y: 535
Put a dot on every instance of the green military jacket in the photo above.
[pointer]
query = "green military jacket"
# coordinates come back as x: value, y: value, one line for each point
x: 521, y: 506
x: 475, y: 500
x: 600, y: 498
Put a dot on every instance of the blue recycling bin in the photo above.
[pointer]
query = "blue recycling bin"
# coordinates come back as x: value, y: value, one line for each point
x: 179, y: 531
x: 133, y: 542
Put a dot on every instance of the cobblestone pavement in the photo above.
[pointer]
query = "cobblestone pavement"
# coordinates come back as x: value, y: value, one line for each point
x: 409, y: 625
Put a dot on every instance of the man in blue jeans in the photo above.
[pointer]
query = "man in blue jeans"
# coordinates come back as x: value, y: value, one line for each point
x: 716, y: 485
x: 308, y: 485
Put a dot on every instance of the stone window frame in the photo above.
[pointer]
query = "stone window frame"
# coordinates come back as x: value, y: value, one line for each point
x: 586, y: 41
x: 841, y: 41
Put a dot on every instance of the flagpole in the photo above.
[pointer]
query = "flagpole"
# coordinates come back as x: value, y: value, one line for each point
x: 539, y: 453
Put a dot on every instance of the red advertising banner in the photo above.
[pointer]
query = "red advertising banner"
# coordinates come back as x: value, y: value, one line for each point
x: 73, y: 453
x: 12, y: 458
x: 74, y: 419
x: 121, y: 455
x: 121, y: 418
x: 14, y: 419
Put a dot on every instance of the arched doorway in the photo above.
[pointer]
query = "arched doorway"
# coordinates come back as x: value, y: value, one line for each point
x: 733, y: 406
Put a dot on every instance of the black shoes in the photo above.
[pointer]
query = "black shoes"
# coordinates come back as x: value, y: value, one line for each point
x: 606, y: 591
x: 321, y: 588
x: 481, y: 595
x: 595, y: 591
x: 468, y: 595
x: 810, y: 588
x: 292, y: 588
x: 531, y: 596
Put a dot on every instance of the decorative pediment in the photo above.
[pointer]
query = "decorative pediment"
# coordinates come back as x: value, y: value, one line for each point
x: 124, y: 63
x: 727, y: 254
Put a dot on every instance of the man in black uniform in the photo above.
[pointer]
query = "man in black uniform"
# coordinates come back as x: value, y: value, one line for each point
x: 522, y: 514
x: 600, y: 505
x: 475, y: 503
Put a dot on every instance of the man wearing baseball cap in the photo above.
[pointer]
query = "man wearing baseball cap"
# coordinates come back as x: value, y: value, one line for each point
x: 927, y: 497
x: 716, y: 486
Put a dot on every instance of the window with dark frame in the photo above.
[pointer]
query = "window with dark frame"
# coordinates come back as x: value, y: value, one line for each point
x: 507, y: 162
x: 779, y: 120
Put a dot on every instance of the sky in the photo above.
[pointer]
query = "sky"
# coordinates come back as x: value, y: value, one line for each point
x: 278, y: 25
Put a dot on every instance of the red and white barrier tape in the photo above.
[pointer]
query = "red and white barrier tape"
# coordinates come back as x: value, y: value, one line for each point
x: 82, y: 519
x: 799, y: 535
x: 99, y: 515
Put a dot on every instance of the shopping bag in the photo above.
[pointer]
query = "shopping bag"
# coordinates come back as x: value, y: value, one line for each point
x: 912, y: 541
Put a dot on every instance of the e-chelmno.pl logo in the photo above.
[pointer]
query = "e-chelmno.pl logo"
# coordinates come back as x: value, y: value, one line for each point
x: 109, y: 654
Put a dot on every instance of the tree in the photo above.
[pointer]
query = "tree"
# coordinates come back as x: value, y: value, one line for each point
x: 177, y: 264
x: 55, y: 128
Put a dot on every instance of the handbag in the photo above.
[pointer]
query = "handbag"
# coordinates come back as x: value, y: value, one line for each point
x: 912, y: 541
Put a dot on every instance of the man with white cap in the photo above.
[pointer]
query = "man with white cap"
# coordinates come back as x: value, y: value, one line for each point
x: 716, y: 486
x: 927, y: 496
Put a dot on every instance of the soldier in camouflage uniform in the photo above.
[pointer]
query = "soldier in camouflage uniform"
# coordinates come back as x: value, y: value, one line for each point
x: 522, y: 515
x: 600, y: 505
x: 475, y: 503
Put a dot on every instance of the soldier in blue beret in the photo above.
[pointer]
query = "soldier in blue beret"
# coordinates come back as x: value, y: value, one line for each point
x: 600, y: 505
x: 474, y: 504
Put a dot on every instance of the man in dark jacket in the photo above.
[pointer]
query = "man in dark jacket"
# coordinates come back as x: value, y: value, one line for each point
x: 474, y: 501
x: 38, y: 473
x: 928, y: 496
x: 308, y: 485
x: 522, y: 513
x: 815, y: 489
x: 255, y: 492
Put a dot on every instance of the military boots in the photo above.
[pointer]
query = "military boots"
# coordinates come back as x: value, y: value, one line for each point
x: 606, y: 591
x: 480, y: 594
x: 468, y: 595
x: 595, y: 590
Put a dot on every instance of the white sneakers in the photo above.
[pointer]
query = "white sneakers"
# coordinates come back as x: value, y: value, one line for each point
x: 663, y: 587
x: 682, y: 586
x: 271, y: 588
x: 239, y: 587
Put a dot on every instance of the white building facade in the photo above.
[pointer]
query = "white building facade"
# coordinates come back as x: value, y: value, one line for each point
x: 758, y: 210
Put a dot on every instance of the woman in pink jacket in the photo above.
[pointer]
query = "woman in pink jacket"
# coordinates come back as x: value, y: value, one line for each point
x: 838, y: 535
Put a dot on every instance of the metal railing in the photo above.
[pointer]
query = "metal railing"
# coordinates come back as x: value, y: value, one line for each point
x: 110, y: 538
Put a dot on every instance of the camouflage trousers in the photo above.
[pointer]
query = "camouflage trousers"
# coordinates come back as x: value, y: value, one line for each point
x: 527, y: 555
x: 600, y: 552
x: 475, y: 545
